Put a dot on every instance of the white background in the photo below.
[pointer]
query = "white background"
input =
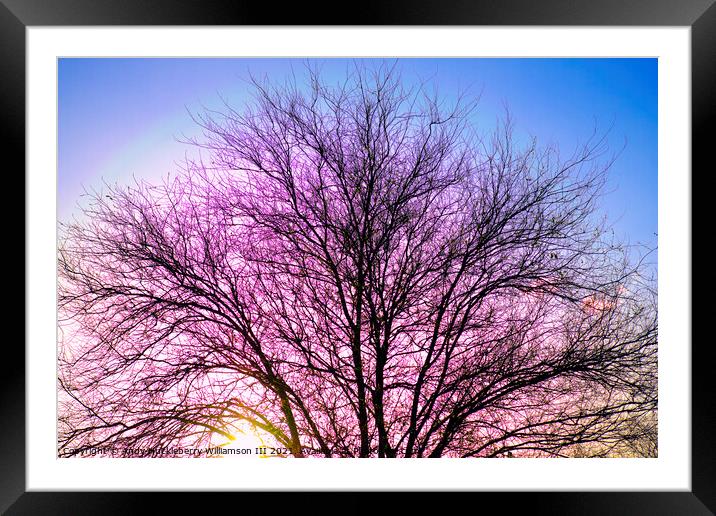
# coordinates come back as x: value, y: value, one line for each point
x: 670, y: 471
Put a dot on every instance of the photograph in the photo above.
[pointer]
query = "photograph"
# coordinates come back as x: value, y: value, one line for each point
x: 280, y: 258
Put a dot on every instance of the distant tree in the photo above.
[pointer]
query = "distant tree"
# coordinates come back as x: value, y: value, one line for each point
x: 354, y: 272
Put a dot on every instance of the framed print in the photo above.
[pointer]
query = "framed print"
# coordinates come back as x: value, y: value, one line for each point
x: 462, y: 234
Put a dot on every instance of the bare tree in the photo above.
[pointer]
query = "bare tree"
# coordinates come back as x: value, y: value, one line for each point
x: 355, y: 272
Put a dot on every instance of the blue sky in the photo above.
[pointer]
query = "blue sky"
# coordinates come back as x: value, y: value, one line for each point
x: 120, y: 118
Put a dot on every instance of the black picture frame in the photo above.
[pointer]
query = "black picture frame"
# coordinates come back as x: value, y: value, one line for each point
x: 700, y: 15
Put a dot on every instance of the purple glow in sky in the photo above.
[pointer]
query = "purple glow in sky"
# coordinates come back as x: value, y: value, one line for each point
x: 356, y: 262
x: 120, y: 118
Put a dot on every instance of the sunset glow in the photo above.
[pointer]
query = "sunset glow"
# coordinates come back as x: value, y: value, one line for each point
x: 349, y: 263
